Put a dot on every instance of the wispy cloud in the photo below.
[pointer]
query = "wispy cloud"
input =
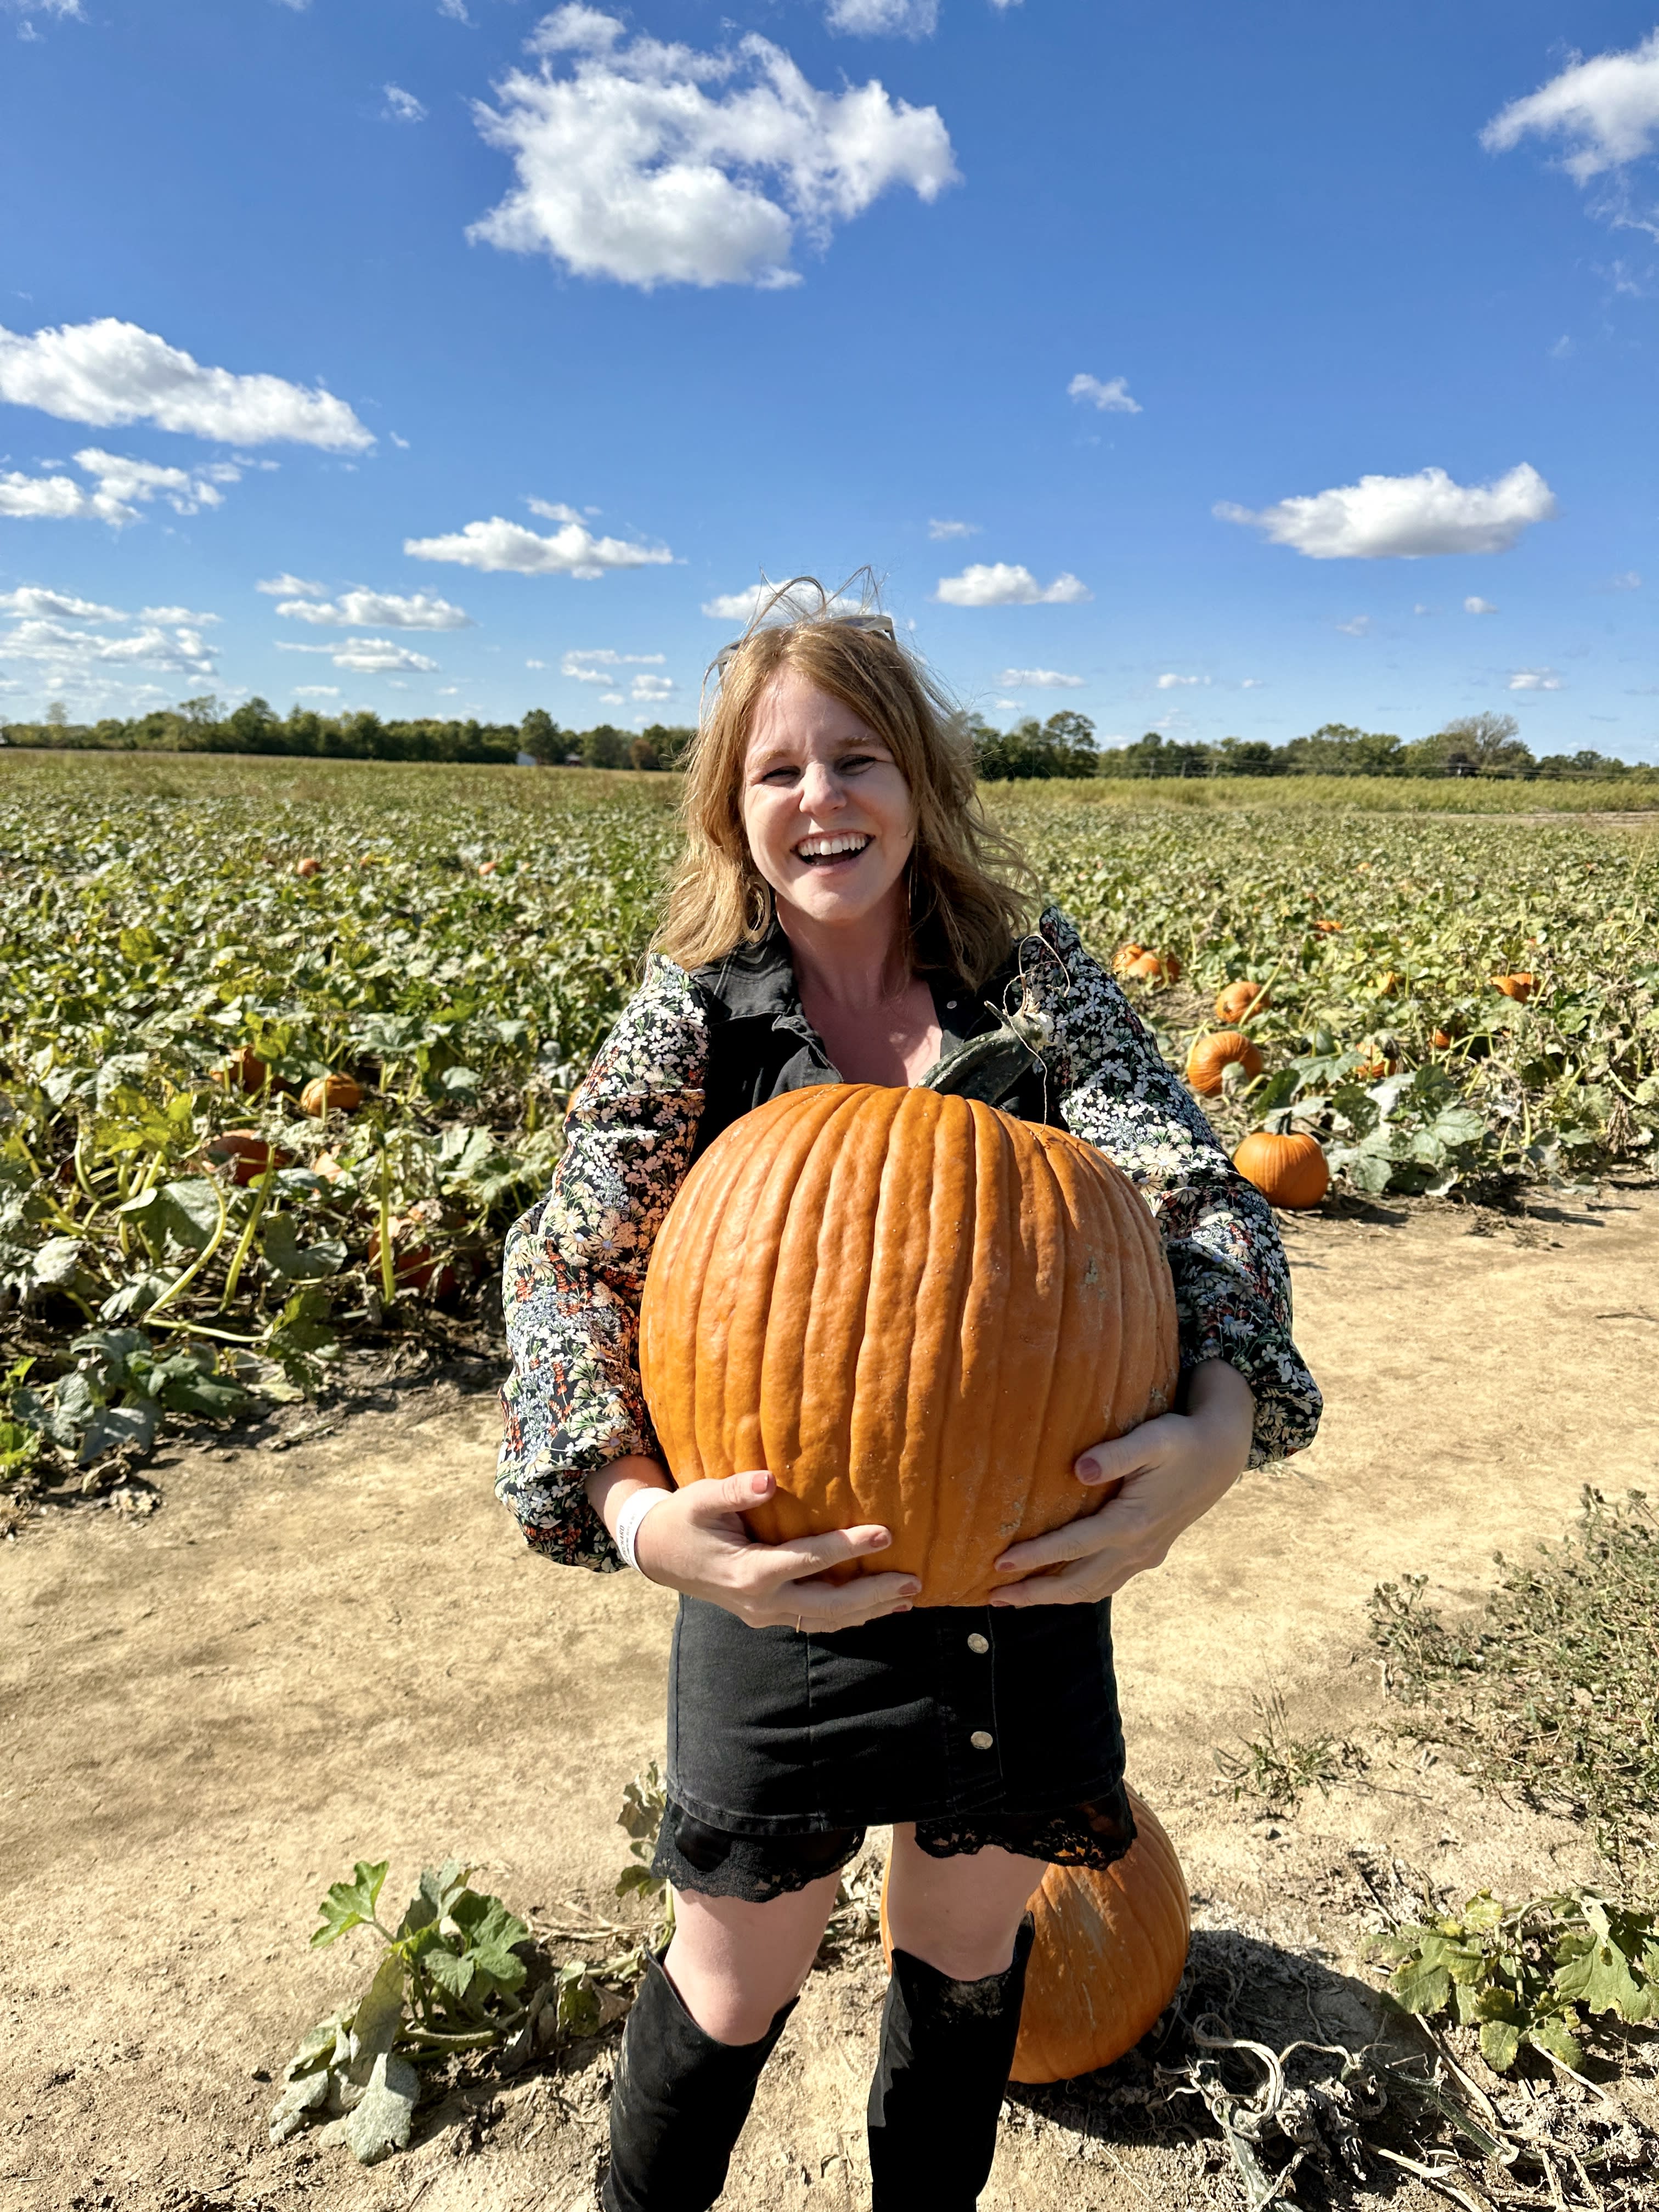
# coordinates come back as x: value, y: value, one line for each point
x: 363, y: 610
x: 1039, y: 679
x: 939, y: 531
x: 1111, y: 399
x: 402, y: 106
x: 571, y: 550
x: 1535, y: 679
x: 1475, y: 605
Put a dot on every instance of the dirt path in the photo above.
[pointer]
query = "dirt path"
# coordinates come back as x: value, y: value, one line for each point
x: 341, y: 1650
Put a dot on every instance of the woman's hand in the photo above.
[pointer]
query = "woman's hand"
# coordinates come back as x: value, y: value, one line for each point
x: 698, y: 1542
x: 1172, y: 1470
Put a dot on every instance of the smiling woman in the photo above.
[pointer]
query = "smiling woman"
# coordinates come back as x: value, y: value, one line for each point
x: 845, y: 926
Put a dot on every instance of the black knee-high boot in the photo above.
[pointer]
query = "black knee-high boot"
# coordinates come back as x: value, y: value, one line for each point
x: 678, y: 2103
x: 945, y: 2051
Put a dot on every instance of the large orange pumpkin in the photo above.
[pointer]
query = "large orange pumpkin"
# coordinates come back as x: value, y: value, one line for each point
x: 914, y: 1310
x: 1211, y: 1057
x: 1106, y: 1958
x: 1518, y: 988
x: 1288, y: 1171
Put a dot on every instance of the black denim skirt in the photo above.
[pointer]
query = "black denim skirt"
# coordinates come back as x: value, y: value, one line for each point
x: 981, y: 1726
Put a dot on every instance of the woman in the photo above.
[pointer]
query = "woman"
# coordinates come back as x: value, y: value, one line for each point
x: 843, y: 914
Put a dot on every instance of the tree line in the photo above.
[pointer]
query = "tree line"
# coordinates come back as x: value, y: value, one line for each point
x: 1485, y: 744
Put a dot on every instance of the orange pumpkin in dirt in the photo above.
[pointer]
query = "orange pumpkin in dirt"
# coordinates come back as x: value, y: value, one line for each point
x: 1242, y: 1002
x: 914, y: 1310
x: 488, y: 867
x: 1107, y: 1956
x: 1155, y: 968
x: 1125, y: 956
x: 1518, y: 988
x: 1376, y: 1061
x: 1289, y: 1170
x: 415, y: 1264
x: 331, y: 1094
x: 1329, y: 928
x: 1212, y: 1055
x: 247, y: 1153
x: 307, y: 867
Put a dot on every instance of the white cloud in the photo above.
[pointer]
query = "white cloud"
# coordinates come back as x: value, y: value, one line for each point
x: 1534, y: 679
x: 1039, y: 679
x: 939, y: 531
x: 402, y: 106
x: 62, y: 606
x: 878, y: 19
x: 110, y: 372
x: 176, y: 615
x: 363, y: 610
x: 1172, y: 683
x: 595, y: 667
x: 120, y: 485
x: 744, y: 606
x: 316, y: 690
x: 535, y: 663
x: 1254, y: 683
x: 612, y: 699
x: 1606, y: 109
x: 649, y: 690
x: 1111, y: 399
x: 71, y: 653
x: 1629, y: 581
x: 652, y: 163
x: 368, y: 656
x: 572, y: 550
x: 1405, y: 518
x: 1359, y: 627
x: 456, y: 11
x: 291, y: 587
x: 555, y: 510
x: 1003, y: 584
x: 1475, y: 605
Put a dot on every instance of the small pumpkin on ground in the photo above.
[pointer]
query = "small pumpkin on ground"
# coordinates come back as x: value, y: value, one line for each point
x: 1326, y: 927
x: 1212, y: 1055
x: 1107, y: 1956
x: 488, y: 867
x: 914, y: 1310
x: 1242, y: 1002
x: 1519, y: 988
x: 1289, y: 1169
x: 1124, y: 957
x: 1376, y: 1060
x: 247, y: 1153
x: 331, y: 1094
x: 1156, y: 968
x: 307, y: 867
x: 243, y: 1070
x: 415, y: 1264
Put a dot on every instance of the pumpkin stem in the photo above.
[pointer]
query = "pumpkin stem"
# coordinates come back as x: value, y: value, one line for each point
x: 987, y: 1067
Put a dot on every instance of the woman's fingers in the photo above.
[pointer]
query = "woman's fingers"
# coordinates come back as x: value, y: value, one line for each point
x: 1085, y: 1582
x: 800, y: 1556
x: 822, y: 1606
x: 1119, y: 1457
x: 1078, y: 1539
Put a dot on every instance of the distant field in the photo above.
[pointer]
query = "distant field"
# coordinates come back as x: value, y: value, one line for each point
x: 470, y: 934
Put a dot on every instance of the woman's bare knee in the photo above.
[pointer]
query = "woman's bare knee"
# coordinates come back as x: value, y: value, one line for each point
x: 735, y: 1964
x: 960, y: 1914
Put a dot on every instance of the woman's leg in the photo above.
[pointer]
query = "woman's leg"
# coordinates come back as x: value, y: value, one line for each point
x: 703, y: 2025
x: 734, y: 1964
x: 951, y: 2021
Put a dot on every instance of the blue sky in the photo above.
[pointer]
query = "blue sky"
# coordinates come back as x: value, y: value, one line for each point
x: 1274, y: 366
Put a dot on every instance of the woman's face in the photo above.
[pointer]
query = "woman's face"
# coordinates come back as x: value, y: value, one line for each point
x: 827, y: 813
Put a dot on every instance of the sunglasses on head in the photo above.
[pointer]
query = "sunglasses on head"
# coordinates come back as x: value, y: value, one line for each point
x: 882, y: 625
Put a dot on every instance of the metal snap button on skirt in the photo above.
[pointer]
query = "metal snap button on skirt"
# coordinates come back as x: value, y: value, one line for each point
x: 932, y: 1715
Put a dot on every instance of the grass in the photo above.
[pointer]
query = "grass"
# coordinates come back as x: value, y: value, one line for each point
x: 1279, y: 1767
x: 1552, y: 1692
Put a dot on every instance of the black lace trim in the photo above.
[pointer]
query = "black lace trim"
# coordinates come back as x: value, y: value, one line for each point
x: 693, y: 1856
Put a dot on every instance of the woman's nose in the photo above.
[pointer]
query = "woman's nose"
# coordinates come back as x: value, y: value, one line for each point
x: 820, y: 788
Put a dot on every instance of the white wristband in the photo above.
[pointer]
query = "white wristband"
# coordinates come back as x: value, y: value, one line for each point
x: 634, y: 1507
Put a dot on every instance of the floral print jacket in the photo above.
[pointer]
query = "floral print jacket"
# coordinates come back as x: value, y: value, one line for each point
x: 691, y: 1051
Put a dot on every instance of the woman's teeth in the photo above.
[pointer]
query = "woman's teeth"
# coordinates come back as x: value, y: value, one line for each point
x: 830, y: 848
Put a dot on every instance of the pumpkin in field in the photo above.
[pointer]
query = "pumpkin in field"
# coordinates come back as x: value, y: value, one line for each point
x: 1288, y: 1171
x: 247, y: 1153
x: 1240, y: 1002
x: 307, y: 867
x: 488, y: 867
x: 1107, y: 1956
x: 1518, y: 988
x: 1212, y: 1055
x: 331, y: 1094
x: 415, y: 1264
x: 1377, y: 1059
x: 1326, y: 927
x: 1151, y: 967
x: 243, y: 1070
x: 915, y: 1311
x: 1125, y: 956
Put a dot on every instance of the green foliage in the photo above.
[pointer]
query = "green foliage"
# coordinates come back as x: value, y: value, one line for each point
x: 1279, y: 1767
x: 1529, y: 1976
x: 1064, y: 746
x: 1554, y: 1690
